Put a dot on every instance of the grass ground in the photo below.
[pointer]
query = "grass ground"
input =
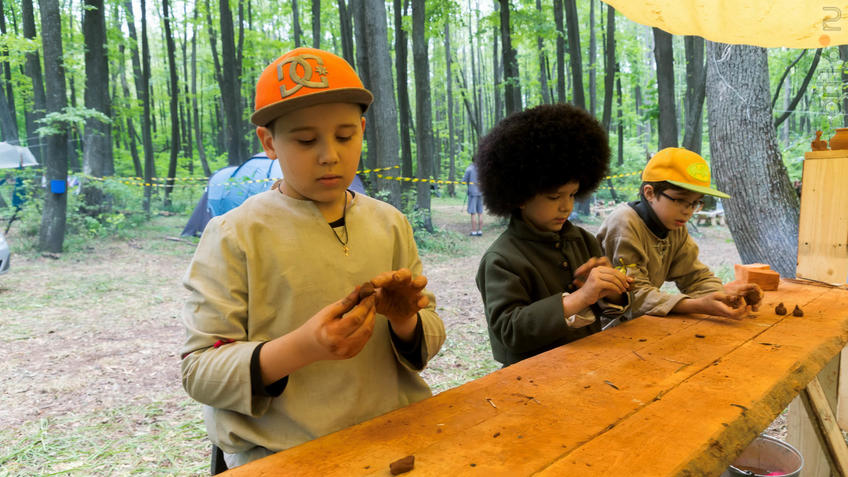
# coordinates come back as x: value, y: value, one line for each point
x: 90, y: 342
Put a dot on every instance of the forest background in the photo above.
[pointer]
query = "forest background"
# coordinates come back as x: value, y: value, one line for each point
x: 154, y: 95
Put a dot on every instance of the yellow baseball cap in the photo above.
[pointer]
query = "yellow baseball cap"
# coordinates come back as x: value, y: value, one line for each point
x: 682, y: 168
x: 306, y: 77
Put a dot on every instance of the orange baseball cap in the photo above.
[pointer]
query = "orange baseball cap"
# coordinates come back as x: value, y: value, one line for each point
x: 682, y: 168
x: 305, y: 77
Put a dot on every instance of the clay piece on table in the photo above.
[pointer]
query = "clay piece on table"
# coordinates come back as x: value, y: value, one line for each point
x: 780, y: 309
x: 366, y: 290
x: 797, y: 311
x: 818, y: 144
x: 403, y: 465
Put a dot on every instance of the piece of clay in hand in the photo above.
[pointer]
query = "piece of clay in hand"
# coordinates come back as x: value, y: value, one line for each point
x: 752, y: 297
x: 366, y: 290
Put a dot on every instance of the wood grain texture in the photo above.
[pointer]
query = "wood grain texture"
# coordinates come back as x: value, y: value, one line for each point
x: 654, y: 396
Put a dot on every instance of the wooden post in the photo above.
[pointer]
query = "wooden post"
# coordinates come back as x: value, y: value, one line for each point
x: 822, y: 256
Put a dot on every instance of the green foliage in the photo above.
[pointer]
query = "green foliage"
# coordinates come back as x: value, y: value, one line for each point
x: 70, y: 119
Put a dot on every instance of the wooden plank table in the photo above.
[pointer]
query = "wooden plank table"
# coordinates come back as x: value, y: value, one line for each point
x: 679, y: 395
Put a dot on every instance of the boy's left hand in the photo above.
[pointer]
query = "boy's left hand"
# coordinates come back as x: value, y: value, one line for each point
x: 399, y: 298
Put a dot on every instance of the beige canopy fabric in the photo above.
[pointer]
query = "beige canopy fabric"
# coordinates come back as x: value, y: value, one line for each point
x: 768, y: 23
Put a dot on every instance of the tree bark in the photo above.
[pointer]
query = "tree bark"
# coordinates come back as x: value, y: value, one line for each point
x: 560, y: 51
x: 375, y: 61
x: 512, y: 80
x: 52, y: 233
x: 543, y: 72
x: 423, y: 110
x: 593, y: 80
x: 801, y: 90
x: 449, y: 113
x: 619, y: 116
x: 174, y: 100
x: 578, y: 96
x: 316, y: 23
x: 97, y: 149
x: 198, y: 130
x: 763, y: 213
x: 296, y: 24
x: 497, y: 72
x: 33, y: 70
x: 147, y: 137
x: 125, y: 87
x: 401, y: 59
x: 8, y: 114
x: 609, y: 68
x: 667, y: 120
x: 696, y: 77
x: 346, y: 33
x: 231, y: 88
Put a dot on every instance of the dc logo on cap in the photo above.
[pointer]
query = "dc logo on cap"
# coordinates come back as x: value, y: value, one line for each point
x: 311, y: 78
x: 699, y: 172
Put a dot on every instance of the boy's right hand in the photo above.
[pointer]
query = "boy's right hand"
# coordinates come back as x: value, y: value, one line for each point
x: 341, y: 329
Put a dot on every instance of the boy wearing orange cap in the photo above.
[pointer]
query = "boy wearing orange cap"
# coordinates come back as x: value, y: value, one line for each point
x: 648, y: 239
x: 283, y: 345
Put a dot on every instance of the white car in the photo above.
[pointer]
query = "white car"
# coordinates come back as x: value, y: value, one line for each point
x: 4, y: 254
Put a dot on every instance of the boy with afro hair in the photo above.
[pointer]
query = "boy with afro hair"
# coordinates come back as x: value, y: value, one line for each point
x: 544, y: 282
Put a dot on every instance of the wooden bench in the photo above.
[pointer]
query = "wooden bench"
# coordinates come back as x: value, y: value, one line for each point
x: 680, y: 395
x: 707, y: 217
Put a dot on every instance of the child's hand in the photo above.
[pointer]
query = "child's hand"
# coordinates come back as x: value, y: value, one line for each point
x: 341, y: 329
x: 399, y: 298
x: 718, y: 304
x: 750, y: 292
x: 603, y: 281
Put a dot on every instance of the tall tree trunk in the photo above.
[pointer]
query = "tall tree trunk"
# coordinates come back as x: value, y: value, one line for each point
x: 696, y: 77
x: 52, y: 233
x: 384, y: 144
x: 497, y: 71
x: 543, y: 72
x: 609, y: 67
x: 619, y: 116
x: 593, y: 64
x: 33, y: 70
x: 843, y: 57
x: 296, y: 24
x: 346, y: 32
x: 401, y: 57
x: 560, y: 51
x: 198, y: 130
x: 8, y: 115
x: 763, y: 213
x: 667, y: 121
x: 147, y: 137
x: 130, y: 124
x: 231, y: 87
x: 571, y: 20
x: 316, y: 23
x: 423, y: 110
x: 97, y: 150
x: 174, y: 102
x: 449, y: 113
x: 512, y: 80
x: 476, y: 90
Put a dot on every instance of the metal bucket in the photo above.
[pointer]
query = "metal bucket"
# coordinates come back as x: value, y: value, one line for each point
x: 766, y: 456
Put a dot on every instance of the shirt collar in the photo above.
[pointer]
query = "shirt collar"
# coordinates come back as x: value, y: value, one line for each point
x: 647, y: 214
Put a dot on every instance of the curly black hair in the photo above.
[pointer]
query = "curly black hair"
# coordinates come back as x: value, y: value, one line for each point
x: 538, y: 150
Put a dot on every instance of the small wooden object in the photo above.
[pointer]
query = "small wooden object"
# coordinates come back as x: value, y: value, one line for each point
x: 818, y: 144
x: 759, y: 273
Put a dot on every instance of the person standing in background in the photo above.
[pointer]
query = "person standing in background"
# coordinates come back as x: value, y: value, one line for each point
x: 475, y: 201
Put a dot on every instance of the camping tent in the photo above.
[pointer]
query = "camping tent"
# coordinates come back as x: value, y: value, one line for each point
x: 12, y: 157
x: 228, y: 187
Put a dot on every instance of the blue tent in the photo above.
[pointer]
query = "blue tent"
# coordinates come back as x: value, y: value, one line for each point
x: 230, y: 186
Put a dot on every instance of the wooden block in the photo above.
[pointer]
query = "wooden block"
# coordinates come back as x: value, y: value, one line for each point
x: 759, y: 273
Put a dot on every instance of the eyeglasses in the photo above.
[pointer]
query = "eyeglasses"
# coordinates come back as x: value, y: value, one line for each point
x: 685, y: 204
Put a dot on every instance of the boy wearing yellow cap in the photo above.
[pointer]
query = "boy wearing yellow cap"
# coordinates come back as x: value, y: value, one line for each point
x: 283, y: 345
x: 649, y: 240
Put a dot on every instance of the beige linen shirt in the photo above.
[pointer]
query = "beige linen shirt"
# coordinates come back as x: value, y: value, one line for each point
x: 262, y: 270
x: 652, y: 261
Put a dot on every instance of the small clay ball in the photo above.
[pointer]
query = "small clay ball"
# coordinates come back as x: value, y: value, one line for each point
x: 366, y: 290
x: 780, y: 309
x: 401, y: 466
x: 797, y: 311
x: 752, y: 297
